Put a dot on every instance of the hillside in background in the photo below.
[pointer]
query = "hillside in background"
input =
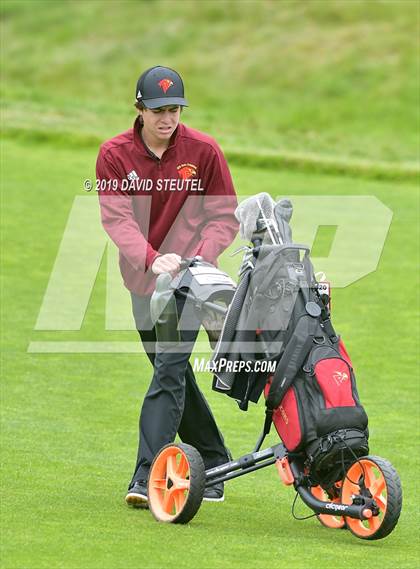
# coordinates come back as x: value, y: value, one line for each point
x: 332, y: 78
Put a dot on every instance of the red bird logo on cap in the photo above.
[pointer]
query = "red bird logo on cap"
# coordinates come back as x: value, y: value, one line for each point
x: 164, y: 84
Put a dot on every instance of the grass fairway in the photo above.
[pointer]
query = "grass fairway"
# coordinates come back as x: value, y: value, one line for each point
x: 69, y: 420
x: 331, y: 82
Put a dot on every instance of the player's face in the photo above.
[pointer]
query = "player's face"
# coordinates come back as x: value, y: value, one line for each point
x: 159, y: 124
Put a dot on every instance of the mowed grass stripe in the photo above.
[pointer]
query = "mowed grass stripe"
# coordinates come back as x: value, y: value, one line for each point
x: 263, y: 159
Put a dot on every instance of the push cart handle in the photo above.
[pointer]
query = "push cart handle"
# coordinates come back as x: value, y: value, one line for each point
x: 189, y: 262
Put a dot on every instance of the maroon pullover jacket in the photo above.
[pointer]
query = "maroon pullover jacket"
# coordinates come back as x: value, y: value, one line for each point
x: 183, y: 203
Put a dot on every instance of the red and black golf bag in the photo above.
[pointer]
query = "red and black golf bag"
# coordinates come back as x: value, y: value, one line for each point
x: 278, y: 314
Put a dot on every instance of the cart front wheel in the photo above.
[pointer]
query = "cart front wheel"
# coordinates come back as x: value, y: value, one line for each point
x: 375, y: 478
x: 176, y: 483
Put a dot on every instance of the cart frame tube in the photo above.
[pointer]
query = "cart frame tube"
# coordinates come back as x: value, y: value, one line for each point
x: 244, y: 464
x: 260, y: 459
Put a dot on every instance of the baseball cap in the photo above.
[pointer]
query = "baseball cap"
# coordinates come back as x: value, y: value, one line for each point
x: 160, y: 86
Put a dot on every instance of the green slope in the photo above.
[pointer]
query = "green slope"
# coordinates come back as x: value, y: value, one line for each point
x: 332, y: 78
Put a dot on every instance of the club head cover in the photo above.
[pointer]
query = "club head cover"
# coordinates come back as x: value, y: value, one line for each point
x: 249, y: 211
x: 283, y: 211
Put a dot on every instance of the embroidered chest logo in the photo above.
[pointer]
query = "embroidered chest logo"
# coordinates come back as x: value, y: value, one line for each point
x: 132, y: 175
x: 339, y: 377
x: 186, y: 171
x: 164, y: 84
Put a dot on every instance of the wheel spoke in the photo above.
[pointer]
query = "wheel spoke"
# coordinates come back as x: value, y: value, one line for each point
x: 356, y: 524
x: 378, y: 487
x: 183, y: 467
x: 369, y: 476
x: 353, y: 489
x: 374, y: 523
x: 179, y: 500
x: 171, y: 466
x: 355, y: 472
x: 381, y: 501
x: 168, y: 501
x: 160, y: 484
x: 181, y: 484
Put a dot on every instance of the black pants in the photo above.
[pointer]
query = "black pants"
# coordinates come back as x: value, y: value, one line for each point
x: 173, y: 403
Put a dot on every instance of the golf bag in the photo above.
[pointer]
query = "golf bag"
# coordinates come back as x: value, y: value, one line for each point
x: 313, y: 402
x: 312, y: 397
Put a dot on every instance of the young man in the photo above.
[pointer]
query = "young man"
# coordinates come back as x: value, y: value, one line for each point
x: 166, y: 193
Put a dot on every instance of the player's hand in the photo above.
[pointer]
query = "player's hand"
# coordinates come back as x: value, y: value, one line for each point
x: 169, y: 263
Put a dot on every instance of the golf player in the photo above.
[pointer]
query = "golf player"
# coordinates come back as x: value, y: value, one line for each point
x: 165, y: 194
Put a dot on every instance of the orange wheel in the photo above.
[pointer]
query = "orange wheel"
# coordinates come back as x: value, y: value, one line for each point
x: 334, y: 522
x: 383, y: 484
x: 176, y: 483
